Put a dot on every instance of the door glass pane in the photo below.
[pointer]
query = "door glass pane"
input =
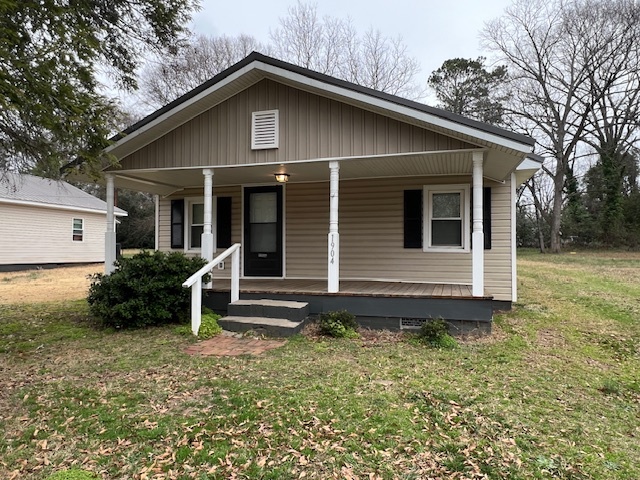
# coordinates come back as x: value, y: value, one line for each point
x: 446, y: 233
x: 264, y: 207
x: 263, y: 237
x: 446, y: 205
x: 198, y: 213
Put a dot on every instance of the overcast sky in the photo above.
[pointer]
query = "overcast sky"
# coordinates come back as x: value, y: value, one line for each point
x: 434, y: 30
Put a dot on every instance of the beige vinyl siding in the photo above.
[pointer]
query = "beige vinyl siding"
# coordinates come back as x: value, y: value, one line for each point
x: 311, y: 127
x: 40, y: 235
x: 498, y: 260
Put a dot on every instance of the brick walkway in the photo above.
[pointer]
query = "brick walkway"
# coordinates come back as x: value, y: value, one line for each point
x: 223, y: 345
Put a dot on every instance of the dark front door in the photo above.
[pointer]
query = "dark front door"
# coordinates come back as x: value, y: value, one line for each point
x: 263, y: 231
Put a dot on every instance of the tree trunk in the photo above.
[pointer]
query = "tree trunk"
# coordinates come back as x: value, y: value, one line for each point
x: 556, y: 214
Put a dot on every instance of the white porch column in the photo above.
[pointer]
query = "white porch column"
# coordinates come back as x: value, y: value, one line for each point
x: 208, y: 240
x: 110, y: 234
x: 333, y: 259
x: 156, y: 202
x: 478, y: 234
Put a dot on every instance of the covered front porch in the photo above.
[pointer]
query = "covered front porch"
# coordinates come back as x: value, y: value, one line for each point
x: 353, y: 206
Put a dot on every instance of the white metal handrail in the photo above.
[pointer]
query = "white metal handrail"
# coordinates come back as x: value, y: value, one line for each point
x: 195, y: 282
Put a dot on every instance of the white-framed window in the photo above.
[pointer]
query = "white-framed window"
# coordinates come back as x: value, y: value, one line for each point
x: 264, y: 129
x: 446, y: 218
x: 195, y: 223
x: 77, y: 230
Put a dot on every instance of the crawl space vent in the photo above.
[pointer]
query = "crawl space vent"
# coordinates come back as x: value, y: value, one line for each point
x: 411, y: 323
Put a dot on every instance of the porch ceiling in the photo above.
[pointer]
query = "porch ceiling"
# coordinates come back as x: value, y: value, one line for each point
x: 167, y: 181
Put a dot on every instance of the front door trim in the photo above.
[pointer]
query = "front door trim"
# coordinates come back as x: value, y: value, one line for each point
x: 284, y: 228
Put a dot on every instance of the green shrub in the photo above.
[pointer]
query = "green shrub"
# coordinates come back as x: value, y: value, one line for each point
x: 145, y: 289
x: 73, y: 474
x: 209, y: 326
x: 341, y: 324
x: 436, y: 334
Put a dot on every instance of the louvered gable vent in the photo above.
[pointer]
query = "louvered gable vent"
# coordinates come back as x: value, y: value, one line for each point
x: 264, y: 129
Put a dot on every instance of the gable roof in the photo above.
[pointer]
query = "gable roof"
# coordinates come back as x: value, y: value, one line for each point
x: 257, y: 66
x: 32, y: 190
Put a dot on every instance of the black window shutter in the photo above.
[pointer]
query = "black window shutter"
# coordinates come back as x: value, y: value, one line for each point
x: 177, y: 223
x: 223, y: 222
x: 413, y: 219
x: 486, y: 217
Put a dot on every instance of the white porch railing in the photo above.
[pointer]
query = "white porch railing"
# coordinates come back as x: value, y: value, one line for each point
x: 195, y: 282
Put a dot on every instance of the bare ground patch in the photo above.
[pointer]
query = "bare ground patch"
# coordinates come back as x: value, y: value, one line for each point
x: 44, y: 285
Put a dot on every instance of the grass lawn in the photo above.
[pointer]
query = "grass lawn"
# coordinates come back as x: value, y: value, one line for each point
x: 554, y: 393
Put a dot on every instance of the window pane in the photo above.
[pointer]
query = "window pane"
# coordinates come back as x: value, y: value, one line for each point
x: 264, y: 207
x: 196, y: 239
x: 198, y: 213
x: 77, y: 224
x: 446, y: 205
x: 446, y: 233
x: 77, y: 238
x: 263, y: 237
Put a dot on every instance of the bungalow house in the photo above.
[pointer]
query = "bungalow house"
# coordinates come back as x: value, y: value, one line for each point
x: 338, y: 195
x: 48, y: 222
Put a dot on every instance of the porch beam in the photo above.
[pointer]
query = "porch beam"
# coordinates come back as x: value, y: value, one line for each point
x: 477, y: 253
x: 110, y: 234
x: 208, y: 242
x: 333, y: 259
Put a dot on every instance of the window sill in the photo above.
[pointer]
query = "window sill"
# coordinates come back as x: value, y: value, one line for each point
x: 446, y: 250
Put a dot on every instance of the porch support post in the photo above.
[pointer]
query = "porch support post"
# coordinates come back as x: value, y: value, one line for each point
x: 110, y: 234
x: 156, y: 202
x: 478, y: 234
x: 208, y: 241
x: 334, y: 237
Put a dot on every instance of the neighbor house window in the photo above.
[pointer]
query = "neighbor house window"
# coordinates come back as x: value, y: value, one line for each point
x: 78, y: 230
x: 446, y: 209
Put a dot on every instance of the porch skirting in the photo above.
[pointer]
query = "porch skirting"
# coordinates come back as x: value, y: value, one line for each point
x: 377, y: 305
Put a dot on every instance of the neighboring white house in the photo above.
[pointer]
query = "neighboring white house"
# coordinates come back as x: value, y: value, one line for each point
x: 45, y: 221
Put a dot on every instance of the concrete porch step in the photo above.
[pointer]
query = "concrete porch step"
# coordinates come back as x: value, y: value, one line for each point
x: 273, y: 327
x: 276, y: 309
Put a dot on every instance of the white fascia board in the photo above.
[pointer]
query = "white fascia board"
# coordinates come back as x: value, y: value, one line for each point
x: 528, y: 164
x: 59, y: 207
x: 394, y: 107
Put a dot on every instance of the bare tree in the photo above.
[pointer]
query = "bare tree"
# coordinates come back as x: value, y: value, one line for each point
x: 332, y: 46
x: 564, y: 57
x: 202, y: 57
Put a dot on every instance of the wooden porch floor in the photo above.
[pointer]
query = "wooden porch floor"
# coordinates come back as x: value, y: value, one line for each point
x: 347, y: 288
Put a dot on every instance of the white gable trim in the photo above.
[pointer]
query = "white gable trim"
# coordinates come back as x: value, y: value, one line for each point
x: 343, y: 92
x: 394, y: 107
x: 58, y: 207
x: 222, y: 83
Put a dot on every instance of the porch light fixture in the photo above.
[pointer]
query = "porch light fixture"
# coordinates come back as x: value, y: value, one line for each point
x: 281, y: 177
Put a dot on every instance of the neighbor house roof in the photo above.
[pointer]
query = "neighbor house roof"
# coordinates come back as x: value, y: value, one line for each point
x: 32, y: 190
x: 257, y: 66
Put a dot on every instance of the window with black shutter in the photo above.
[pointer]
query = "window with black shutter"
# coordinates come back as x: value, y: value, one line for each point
x: 223, y: 222
x: 413, y: 219
x: 177, y: 223
x: 486, y: 218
